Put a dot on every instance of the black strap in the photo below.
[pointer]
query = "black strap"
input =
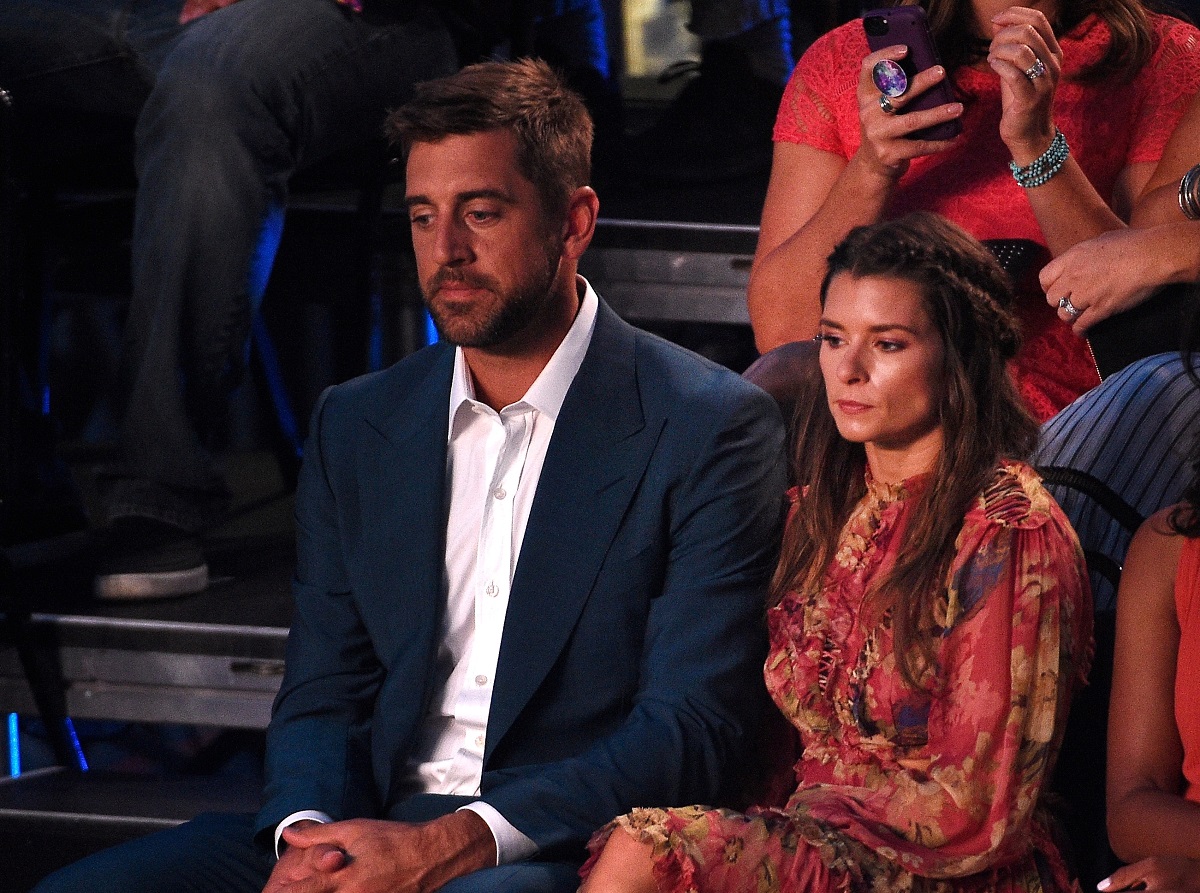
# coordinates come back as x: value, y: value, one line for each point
x: 1122, y: 512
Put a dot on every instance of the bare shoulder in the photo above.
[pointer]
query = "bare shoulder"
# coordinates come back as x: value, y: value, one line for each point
x: 1157, y: 540
x: 1148, y: 577
x: 1157, y: 536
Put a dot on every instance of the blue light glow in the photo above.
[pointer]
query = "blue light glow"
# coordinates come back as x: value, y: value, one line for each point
x: 14, y: 745
x: 80, y: 758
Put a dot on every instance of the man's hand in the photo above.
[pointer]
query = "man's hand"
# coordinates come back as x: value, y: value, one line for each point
x: 372, y: 856
x: 299, y: 863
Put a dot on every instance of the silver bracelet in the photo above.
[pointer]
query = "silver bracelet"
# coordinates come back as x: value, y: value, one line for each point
x: 1045, y: 166
x: 1189, y: 194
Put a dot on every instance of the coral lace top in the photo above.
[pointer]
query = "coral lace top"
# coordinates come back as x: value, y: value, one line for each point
x: 1107, y: 125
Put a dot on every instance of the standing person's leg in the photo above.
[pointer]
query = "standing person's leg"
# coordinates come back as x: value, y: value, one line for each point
x: 78, y: 72
x: 213, y: 853
x: 73, y: 66
x: 248, y: 94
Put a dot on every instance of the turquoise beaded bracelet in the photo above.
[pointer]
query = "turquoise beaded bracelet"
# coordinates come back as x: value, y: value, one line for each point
x: 1045, y: 166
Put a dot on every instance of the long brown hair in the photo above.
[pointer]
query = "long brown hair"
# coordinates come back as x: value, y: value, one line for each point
x: 982, y: 417
x: 953, y: 23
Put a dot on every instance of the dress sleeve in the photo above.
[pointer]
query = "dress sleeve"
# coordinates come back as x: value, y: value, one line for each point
x: 809, y: 109
x: 1167, y: 83
x: 1018, y: 634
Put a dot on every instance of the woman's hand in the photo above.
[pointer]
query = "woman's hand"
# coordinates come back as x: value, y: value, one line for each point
x: 1026, y: 56
x: 886, y: 147
x: 1102, y: 276
x: 1172, y: 874
x: 1120, y: 269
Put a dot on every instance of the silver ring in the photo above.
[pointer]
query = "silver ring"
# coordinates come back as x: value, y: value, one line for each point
x: 886, y: 105
x: 1036, y: 70
x: 1064, y: 303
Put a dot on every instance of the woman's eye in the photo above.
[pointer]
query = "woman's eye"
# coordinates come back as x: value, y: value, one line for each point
x: 888, y: 346
x: 829, y: 338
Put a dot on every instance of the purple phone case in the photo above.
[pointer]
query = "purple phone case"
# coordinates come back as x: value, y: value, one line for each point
x: 907, y: 25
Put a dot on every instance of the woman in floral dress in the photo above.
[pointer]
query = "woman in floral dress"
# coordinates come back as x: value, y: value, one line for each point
x: 930, y: 616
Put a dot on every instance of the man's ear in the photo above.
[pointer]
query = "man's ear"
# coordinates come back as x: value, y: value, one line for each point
x: 583, y: 208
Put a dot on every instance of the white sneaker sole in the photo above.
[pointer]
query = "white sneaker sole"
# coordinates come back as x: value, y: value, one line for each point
x: 128, y: 587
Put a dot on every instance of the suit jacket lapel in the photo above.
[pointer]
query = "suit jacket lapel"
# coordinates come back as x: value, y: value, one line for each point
x: 596, y: 458
x: 402, y: 479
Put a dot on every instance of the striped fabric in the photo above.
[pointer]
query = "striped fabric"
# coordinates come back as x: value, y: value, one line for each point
x: 1133, y: 432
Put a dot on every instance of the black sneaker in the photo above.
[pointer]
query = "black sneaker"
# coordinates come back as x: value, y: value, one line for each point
x: 143, y: 558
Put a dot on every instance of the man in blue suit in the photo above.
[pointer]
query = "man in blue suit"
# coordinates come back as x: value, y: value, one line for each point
x: 532, y: 559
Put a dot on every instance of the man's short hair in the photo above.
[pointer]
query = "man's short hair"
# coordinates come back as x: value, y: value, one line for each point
x: 550, y: 122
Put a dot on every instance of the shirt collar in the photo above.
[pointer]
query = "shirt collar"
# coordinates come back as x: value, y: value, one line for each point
x: 549, y: 389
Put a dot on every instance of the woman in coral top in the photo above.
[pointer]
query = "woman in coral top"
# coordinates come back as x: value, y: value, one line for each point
x: 1154, y: 723
x: 930, y: 614
x: 1108, y: 75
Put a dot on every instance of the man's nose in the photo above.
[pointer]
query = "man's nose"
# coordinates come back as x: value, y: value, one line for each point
x: 452, y: 243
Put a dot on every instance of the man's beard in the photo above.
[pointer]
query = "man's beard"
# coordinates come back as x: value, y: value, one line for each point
x: 510, y: 314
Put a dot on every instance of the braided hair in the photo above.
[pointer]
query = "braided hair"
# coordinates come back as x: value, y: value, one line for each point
x: 983, y: 420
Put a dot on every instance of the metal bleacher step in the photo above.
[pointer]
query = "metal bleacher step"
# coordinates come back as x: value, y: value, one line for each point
x: 129, y: 804
x: 672, y: 271
x: 52, y: 817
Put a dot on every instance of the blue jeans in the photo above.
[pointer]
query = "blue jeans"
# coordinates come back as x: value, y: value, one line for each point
x: 227, y: 108
x: 215, y: 853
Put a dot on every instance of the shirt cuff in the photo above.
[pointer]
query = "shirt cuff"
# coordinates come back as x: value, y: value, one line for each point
x: 511, y: 844
x: 311, y: 815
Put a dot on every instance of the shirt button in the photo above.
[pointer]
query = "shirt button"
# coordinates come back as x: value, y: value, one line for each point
x: 491, y: 590
x: 499, y: 492
x: 481, y: 679
x: 479, y: 741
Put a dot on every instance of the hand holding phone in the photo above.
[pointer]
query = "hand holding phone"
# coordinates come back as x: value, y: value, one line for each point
x: 907, y: 25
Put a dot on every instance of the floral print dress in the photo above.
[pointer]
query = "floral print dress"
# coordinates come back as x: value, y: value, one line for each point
x: 898, y: 789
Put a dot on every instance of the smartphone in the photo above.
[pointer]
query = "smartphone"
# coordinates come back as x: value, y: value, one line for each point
x: 907, y: 25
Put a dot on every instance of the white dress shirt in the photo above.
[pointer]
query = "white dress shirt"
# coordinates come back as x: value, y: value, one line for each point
x: 493, y: 464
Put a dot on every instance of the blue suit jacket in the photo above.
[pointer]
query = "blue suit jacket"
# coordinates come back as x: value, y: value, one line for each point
x: 630, y: 669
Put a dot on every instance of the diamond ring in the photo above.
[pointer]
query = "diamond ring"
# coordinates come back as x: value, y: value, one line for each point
x: 1064, y: 303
